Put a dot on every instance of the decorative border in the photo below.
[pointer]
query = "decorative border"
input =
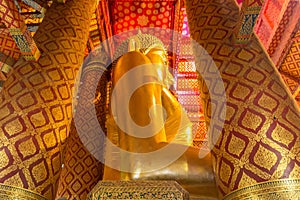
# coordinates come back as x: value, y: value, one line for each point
x: 138, y: 190
x: 9, y: 192
x: 282, y: 189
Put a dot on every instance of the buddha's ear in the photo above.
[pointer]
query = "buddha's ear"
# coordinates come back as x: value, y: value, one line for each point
x: 169, y: 80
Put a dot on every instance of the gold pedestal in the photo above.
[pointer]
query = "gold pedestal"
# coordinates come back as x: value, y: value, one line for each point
x: 138, y: 190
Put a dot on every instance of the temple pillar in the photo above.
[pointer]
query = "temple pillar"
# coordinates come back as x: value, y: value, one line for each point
x: 257, y: 153
x: 36, y: 103
x: 82, y: 171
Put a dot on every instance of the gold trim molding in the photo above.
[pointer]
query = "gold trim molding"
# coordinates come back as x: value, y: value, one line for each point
x: 9, y: 192
x: 278, y: 189
x: 138, y: 189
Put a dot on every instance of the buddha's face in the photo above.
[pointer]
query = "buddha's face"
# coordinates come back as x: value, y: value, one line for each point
x: 157, y: 55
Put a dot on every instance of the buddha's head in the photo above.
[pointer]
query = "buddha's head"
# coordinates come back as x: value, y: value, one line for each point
x: 150, y: 46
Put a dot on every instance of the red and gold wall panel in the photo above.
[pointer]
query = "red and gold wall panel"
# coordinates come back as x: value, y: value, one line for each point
x: 130, y: 15
x: 269, y: 20
x: 275, y: 26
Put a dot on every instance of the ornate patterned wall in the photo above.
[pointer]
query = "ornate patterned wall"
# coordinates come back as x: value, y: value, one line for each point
x: 275, y: 26
x: 277, y: 29
x: 35, y: 107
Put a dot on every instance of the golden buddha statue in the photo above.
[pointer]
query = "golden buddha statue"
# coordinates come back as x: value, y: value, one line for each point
x: 170, y: 125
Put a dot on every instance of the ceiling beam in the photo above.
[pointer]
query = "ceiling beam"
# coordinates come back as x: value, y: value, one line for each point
x: 248, y: 16
x: 17, y: 28
x: 38, y: 7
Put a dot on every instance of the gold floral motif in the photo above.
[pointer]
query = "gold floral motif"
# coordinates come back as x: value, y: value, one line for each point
x: 143, y: 20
